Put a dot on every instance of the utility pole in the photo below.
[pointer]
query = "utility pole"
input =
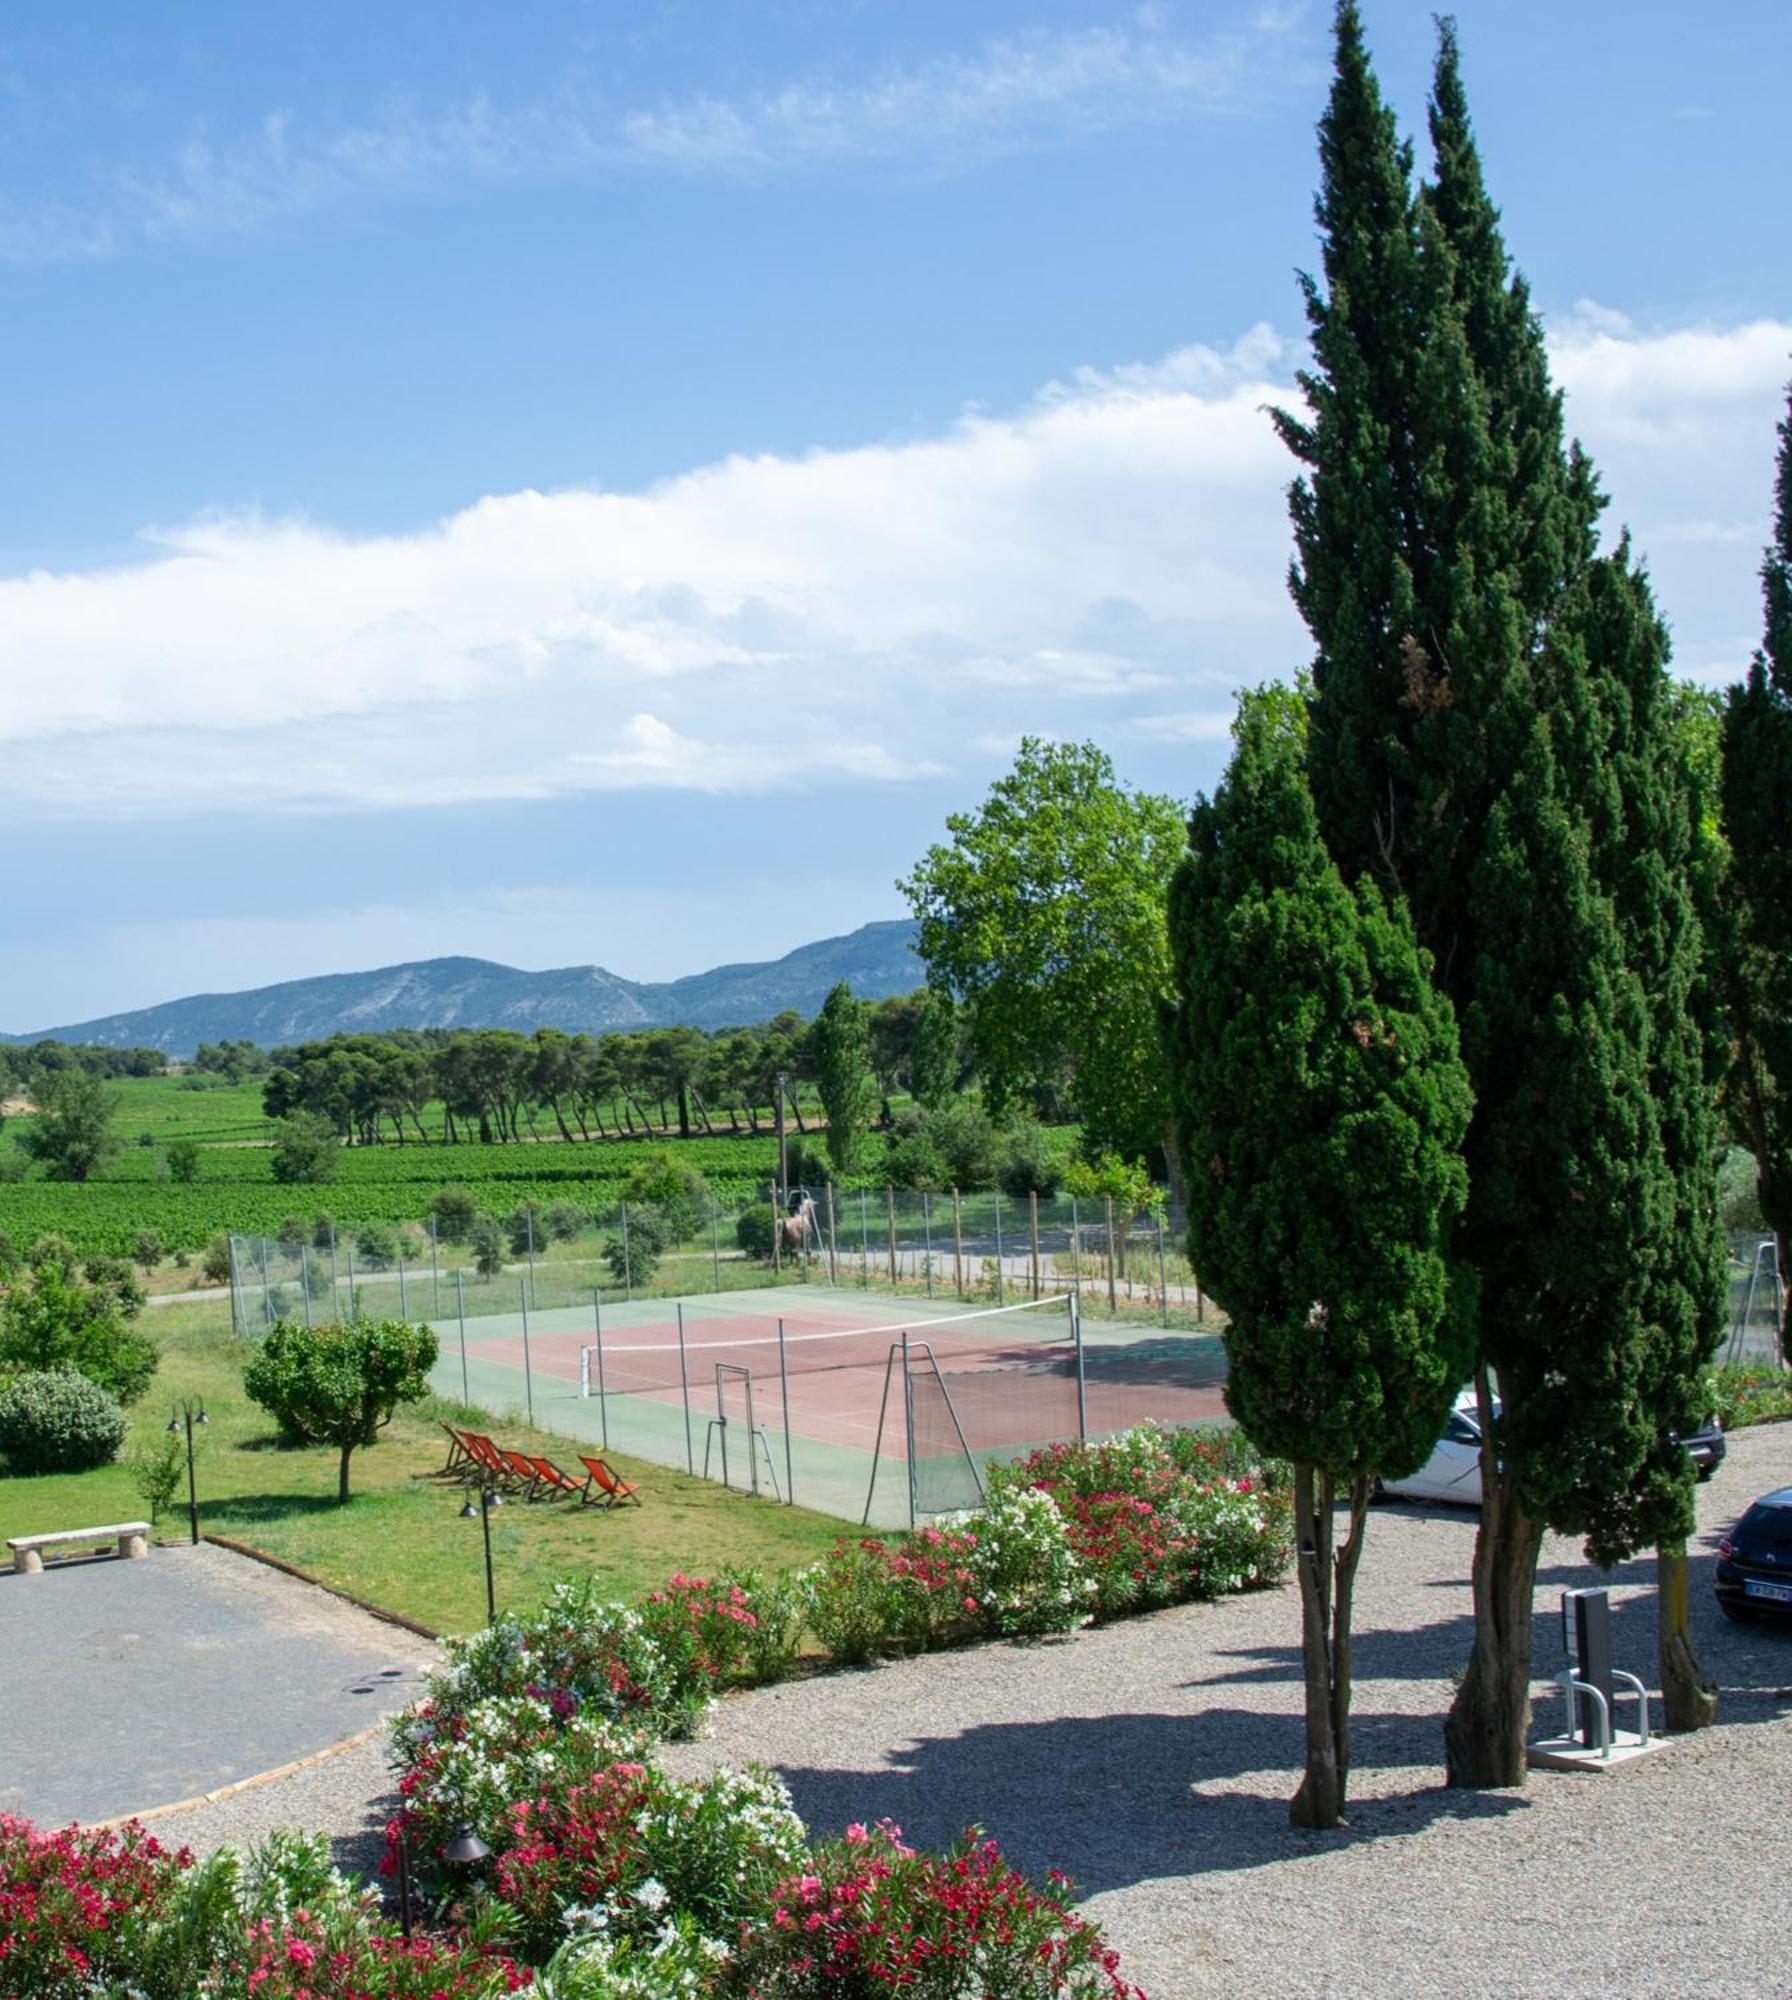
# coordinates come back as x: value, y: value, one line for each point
x: 783, y: 1084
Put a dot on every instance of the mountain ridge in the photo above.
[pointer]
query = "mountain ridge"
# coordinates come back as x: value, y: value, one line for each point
x: 877, y: 959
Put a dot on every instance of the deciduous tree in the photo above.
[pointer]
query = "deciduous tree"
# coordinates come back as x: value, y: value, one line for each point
x: 339, y: 1385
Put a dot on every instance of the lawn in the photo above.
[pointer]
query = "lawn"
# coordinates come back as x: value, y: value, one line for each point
x: 400, y: 1542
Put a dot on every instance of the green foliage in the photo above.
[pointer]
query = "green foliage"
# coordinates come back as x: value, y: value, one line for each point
x: 72, y: 1136
x: 565, y: 1220
x: 523, y: 1230
x: 50, y: 1318
x: 667, y: 1183
x: 1031, y: 1164
x: 1045, y: 915
x: 633, y: 1253
x: 1739, y: 1193
x: 456, y: 1210
x: 754, y: 1228
x: 936, y: 1060
x: 157, y: 1468
x: 58, y: 1421
x: 486, y: 1240
x: 216, y: 1265
x: 376, y: 1249
x: 1107, y: 1177
x: 1751, y: 1393
x: 1322, y: 1105
x: 840, y: 1044
x: 305, y: 1149
x: 339, y: 1385
x: 148, y: 1250
x: 1757, y: 785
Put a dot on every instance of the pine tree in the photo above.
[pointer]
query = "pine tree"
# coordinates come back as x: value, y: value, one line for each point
x: 1321, y: 1103
x: 1757, y: 811
x: 1504, y: 812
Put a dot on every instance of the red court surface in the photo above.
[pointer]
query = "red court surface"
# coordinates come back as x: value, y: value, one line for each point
x: 1010, y: 1375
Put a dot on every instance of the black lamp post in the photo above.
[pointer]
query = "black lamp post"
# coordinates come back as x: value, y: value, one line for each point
x: 489, y: 1497
x: 193, y: 1413
x: 466, y: 1849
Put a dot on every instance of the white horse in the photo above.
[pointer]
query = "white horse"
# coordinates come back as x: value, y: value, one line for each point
x: 794, y: 1231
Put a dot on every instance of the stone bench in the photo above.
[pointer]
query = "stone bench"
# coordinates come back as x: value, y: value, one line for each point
x: 132, y: 1538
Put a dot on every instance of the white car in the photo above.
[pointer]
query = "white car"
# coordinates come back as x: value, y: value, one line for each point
x: 1453, y: 1471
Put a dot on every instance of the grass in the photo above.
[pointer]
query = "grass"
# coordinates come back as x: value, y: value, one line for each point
x: 1752, y: 1393
x: 400, y: 1542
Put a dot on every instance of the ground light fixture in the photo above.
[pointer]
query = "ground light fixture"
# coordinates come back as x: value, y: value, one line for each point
x: 193, y: 1413
x: 465, y: 1849
x: 489, y: 1497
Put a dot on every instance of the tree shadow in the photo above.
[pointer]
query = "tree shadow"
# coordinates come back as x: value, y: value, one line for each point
x: 249, y: 1509
x: 1121, y: 1799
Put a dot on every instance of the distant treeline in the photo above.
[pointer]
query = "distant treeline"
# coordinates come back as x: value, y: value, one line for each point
x: 497, y: 1086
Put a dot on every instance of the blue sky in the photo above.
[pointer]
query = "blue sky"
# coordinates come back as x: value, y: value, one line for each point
x: 590, y: 482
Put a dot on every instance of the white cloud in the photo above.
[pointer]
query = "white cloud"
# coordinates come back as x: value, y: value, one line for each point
x: 1005, y: 95
x: 1110, y: 558
x: 1011, y: 94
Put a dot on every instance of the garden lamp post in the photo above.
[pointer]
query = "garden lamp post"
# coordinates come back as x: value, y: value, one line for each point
x: 489, y: 1497
x: 466, y: 1849
x: 193, y: 1413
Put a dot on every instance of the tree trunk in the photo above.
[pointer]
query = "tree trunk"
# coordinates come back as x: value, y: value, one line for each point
x: 1688, y: 1698
x: 1485, y: 1731
x: 1343, y: 1604
x: 342, y: 1473
x: 1320, y: 1800
x: 684, y: 1111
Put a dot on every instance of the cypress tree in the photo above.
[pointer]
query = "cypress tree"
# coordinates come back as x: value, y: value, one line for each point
x: 1321, y: 1103
x: 1505, y: 813
x: 840, y: 1046
x: 1757, y: 810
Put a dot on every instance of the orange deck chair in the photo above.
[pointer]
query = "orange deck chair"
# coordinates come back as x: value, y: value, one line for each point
x: 554, y: 1480
x: 611, y: 1490
x: 522, y: 1471
x: 459, y: 1457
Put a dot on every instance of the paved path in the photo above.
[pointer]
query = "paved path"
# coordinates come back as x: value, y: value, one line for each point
x: 135, y: 1684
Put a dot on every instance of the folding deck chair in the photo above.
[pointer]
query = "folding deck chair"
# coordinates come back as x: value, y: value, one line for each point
x: 613, y: 1490
x: 554, y: 1480
x: 459, y: 1457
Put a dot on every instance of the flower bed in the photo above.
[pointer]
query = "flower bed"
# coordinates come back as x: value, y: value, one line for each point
x: 608, y: 1879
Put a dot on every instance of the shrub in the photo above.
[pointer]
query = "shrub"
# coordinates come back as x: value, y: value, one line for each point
x: 487, y: 1241
x: 633, y: 1255
x: 216, y: 1263
x: 294, y: 1230
x: 523, y: 1229
x: 146, y: 1249
x: 183, y: 1161
x: 75, y: 1906
x: 1752, y: 1393
x: 617, y: 1853
x: 579, y: 1644
x: 850, y: 1601
x: 305, y: 1149
x: 377, y: 1248
x: 807, y: 1162
x: 704, y: 1630
x: 776, y: 1602
x: 754, y: 1229
x: 51, y: 1319
x: 1028, y: 1577
x: 565, y: 1221
x: 678, y: 1192
x: 869, y: 1917
x: 341, y: 1954
x: 1029, y: 1165
x: 323, y: 1231
x: 155, y: 1471
x: 474, y: 1765
x: 455, y: 1209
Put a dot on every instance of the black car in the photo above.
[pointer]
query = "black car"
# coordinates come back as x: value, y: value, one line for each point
x: 1754, y: 1562
x: 1706, y: 1447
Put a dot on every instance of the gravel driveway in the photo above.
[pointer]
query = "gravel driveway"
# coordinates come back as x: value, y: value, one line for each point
x: 1154, y: 1760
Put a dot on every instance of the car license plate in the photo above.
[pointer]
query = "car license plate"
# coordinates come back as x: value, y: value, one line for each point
x: 1775, y: 1593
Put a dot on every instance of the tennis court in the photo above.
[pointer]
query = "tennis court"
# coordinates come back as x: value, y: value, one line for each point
x: 844, y: 1401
